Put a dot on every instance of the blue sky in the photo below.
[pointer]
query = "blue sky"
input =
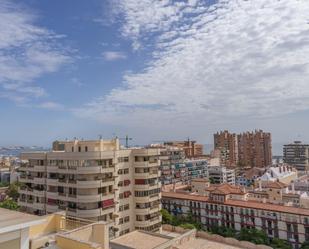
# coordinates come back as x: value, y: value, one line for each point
x: 152, y: 69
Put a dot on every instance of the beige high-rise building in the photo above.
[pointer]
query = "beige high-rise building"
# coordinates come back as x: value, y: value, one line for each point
x: 96, y: 180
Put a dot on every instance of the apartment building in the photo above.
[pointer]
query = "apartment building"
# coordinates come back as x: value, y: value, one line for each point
x: 297, y: 154
x: 173, y: 168
x: 228, y: 206
x: 225, y: 144
x: 96, y: 180
x: 191, y: 148
x: 248, y: 149
x: 254, y: 149
x: 221, y: 174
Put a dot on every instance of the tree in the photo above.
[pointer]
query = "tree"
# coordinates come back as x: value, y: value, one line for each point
x: 167, y: 218
x: 305, y: 245
x: 9, y: 204
x: 253, y: 235
x: 13, y: 190
x: 187, y: 226
x: 280, y: 244
x: 211, y: 180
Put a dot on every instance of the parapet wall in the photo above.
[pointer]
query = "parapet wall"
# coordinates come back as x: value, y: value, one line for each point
x: 213, y: 237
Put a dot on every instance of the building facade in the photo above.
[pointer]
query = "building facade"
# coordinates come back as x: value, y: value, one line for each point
x: 221, y: 174
x: 297, y: 154
x: 247, y: 150
x: 191, y: 148
x: 255, y: 149
x: 226, y: 145
x: 228, y: 207
x: 96, y: 180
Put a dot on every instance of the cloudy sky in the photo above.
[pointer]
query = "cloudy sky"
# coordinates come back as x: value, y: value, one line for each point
x: 155, y: 70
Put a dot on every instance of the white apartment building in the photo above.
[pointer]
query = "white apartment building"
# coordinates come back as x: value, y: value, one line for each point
x: 96, y: 180
x: 297, y: 154
x: 221, y: 174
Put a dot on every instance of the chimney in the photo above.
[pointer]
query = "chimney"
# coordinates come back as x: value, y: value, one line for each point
x: 293, y: 187
x: 260, y: 184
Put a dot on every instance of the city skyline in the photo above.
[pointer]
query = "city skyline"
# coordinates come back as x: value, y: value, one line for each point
x: 153, y: 70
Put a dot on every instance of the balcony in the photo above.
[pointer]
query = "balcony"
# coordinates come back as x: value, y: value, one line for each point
x: 39, y: 180
x: 26, y: 179
x: 149, y: 198
x: 108, y: 182
x: 88, y: 213
x: 146, y: 164
x: 53, y: 182
x: 88, y: 198
x: 147, y: 175
x: 85, y: 183
x: 38, y: 193
x: 52, y: 195
x: 52, y: 208
x: 148, y: 223
x: 150, y: 210
x: 147, y: 186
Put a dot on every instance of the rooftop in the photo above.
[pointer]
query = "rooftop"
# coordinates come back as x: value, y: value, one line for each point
x: 239, y: 203
x: 12, y: 220
x: 140, y: 240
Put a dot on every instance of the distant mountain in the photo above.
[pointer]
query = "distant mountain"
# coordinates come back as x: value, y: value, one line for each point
x: 16, y: 150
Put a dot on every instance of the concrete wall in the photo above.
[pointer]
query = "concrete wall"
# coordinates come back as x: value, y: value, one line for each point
x: 54, y: 223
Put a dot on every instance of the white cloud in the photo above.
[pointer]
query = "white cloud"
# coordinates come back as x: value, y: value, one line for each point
x: 27, y: 52
x: 114, y: 55
x: 211, y: 64
x: 50, y: 105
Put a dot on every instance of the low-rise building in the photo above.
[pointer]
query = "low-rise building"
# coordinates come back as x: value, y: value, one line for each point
x: 14, y: 229
x: 221, y: 174
x: 229, y: 206
x: 282, y: 173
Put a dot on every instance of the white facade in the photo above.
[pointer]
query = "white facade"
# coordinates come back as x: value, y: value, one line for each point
x: 95, y: 180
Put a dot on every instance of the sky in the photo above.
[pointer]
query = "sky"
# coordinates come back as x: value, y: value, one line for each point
x: 155, y: 70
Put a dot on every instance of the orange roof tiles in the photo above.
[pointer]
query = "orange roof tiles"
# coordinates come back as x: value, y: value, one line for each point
x: 278, y: 185
x: 238, y: 203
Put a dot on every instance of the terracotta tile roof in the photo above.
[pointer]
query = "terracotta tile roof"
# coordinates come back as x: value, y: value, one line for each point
x: 200, y: 180
x: 225, y: 189
x: 244, y: 204
x: 278, y: 185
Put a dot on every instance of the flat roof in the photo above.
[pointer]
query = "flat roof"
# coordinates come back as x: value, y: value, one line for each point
x: 140, y: 240
x: 14, y: 220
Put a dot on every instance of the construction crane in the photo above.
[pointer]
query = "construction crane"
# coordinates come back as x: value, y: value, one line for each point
x: 127, y: 139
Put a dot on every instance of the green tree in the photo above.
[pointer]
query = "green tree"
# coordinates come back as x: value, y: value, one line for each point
x: 13, y: 190
x: 280, y: 244
x: 253, y: 235
x: 305, y: 245
x: 187, y: 226
x: 166, y: 217
x: 4, y: 184
x: 9, y: 204
x: 211, y: 180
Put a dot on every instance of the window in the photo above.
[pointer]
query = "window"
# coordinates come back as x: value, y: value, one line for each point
x: 79, y: 149
x: 86, y: 148
x: 72, y: 149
